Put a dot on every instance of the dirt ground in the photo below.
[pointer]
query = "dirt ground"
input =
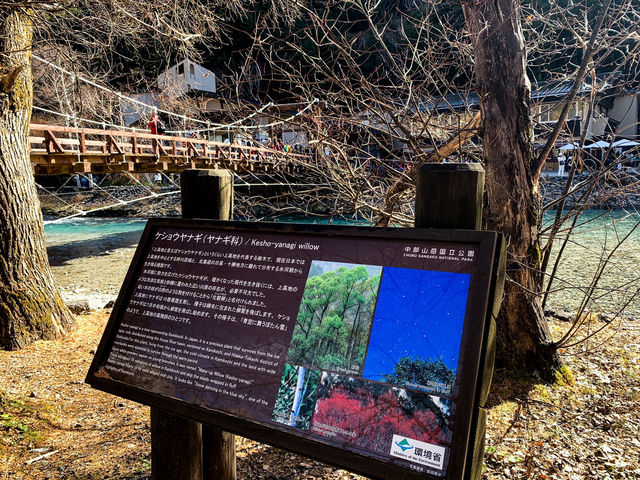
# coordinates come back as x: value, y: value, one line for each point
x: 53, y: 426
x: 584, y: 426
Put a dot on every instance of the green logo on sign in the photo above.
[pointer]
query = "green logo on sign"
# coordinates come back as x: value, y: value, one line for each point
x: 404, y: 445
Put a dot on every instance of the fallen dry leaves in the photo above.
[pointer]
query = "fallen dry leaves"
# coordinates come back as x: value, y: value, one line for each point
x: 585, y: 426
x: 53, y: 426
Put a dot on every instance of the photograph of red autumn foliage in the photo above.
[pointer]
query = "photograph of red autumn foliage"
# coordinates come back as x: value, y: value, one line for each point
x: 365, y: 415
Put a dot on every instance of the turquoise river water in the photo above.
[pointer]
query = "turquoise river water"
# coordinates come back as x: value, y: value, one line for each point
x: 597, y: 237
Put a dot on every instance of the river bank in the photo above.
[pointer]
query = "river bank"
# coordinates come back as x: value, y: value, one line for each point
x: 75, y: 263
x: 89, y: 264
x: 130, y: 201
x: 617, y: 189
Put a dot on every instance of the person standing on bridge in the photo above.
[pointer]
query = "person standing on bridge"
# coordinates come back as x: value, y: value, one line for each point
x: 156, y: 125
x: 153, y: 123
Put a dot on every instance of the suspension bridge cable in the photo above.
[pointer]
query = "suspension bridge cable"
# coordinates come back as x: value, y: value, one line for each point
x: 54, y: 195
x: 80, y: 119
x: 251, y: 127
x: 68, y: 116
x: 210, y: 125
x: 113, y: 92
x: 128, y: 174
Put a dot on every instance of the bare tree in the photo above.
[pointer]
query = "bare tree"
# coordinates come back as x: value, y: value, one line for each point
x: 396, y: 78
x: 30, y: 306
x: 400, y: 84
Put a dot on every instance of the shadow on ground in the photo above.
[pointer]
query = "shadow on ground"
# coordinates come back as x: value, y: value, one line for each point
x: 61, y: 254
x: 507, y: 386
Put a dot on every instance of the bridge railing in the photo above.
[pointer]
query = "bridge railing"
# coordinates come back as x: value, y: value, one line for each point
x: 69, y: 144
x: 58, y: 149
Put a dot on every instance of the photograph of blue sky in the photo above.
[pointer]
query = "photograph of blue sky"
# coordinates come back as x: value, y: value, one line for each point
x: 419, y: 314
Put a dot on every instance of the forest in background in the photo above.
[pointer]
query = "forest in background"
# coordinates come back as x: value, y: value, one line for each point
x: 226, y: 41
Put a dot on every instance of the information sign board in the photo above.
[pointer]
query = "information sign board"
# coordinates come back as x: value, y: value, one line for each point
x: 357, y: 346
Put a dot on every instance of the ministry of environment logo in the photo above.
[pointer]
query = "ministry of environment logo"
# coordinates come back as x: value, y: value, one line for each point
x: 416, y: 451
x: 404, y: 445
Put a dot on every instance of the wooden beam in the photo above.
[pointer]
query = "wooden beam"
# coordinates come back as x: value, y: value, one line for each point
x: 51, y: 143
x: 134, y: 144
x: 158, y: 148
x: 191, y: 150
x: 115, y: 158
x: 112, y: 146
x: 83, y: 143
x: 53, y: 169
x: 102, y: 168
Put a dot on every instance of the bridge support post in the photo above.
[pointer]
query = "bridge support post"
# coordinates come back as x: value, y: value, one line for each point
x: 182, y: 449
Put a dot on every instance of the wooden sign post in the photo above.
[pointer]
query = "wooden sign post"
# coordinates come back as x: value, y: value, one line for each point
x: 182, y: 449
x: 449, y: 195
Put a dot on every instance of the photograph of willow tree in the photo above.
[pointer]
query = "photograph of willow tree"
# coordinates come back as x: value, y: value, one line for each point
x: 296, y: 396
x: 335, y: 316
x: 416, y: 333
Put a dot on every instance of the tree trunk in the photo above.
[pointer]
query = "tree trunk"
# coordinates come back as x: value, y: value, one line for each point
x: 298, y: 397
x: 353, y: 336
x: 513, y: 200
x: 30, y: 306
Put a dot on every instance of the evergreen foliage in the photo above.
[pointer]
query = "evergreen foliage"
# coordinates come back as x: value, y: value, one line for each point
x: 334, y: 319
x: 421, y: 372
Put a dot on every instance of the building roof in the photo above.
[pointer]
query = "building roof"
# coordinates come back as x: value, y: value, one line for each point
x: 540, y: 91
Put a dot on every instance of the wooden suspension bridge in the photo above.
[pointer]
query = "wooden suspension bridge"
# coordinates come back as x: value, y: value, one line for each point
x: 59, y: 150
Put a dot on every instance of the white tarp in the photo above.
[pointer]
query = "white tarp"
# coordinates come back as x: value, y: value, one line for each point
x: 599, y: 144
x: 569, y: 146
x: 625, y: 143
